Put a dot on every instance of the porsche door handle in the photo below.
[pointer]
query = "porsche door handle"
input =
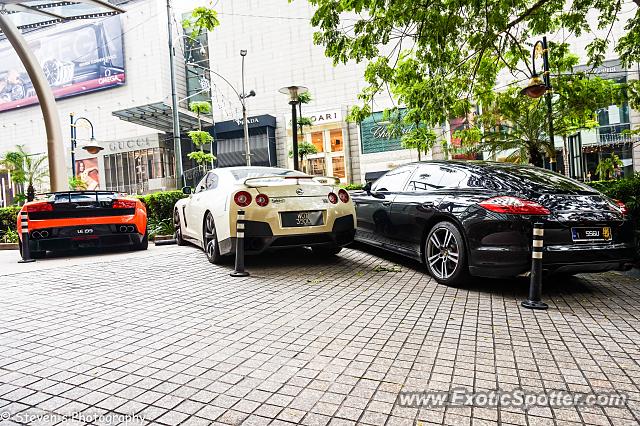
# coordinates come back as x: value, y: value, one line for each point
x: 386, y: 203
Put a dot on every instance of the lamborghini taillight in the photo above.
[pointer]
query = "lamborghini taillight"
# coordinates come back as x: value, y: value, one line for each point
x: 120, y: 203
x: 39, y: 207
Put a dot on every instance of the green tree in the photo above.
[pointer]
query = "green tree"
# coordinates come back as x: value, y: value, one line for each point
x: 26, y: 169
x: 201, y: 19
x: 514, y: 122
x: 435, y: 57
x: 200, y: 137
x: 606, y: 168
x: 305, y: 149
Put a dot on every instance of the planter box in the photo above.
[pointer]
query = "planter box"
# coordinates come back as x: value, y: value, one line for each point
x: 163, y: 238
x: 8, y: 246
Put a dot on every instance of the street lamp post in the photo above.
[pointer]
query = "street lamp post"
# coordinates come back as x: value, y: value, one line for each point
x: 247, y: 147
x: 177, y: 144
x: 294, y: 92
x: 92, y: 147
x: 542, y: 86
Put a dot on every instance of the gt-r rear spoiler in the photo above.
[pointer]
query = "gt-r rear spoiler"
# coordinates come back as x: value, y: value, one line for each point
x: 257, y: 182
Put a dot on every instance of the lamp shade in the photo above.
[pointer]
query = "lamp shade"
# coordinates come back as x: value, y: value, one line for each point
x: 92, y: 147
x: 535, y: 88
x: 293, y: 92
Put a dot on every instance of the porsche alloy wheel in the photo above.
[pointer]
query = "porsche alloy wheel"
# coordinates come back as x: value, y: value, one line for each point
x: 210, y: 240
x: 445, y: 254
x: 178, y: 229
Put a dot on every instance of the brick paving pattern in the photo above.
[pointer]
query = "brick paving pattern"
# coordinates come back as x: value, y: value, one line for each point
x: 175, y: 340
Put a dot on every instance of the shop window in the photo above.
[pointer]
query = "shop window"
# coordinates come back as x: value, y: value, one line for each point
x: 317, y: 139
x: 316, y: 167
x: 338, y: 167
x: 336, y: 140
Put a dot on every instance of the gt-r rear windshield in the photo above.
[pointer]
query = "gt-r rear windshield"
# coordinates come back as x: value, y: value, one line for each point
x: 242, y: 174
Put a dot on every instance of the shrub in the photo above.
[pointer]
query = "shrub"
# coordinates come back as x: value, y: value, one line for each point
x: 160, y: 204
x: 10, y: 236
x: 353, y: 186
x: 626, y: 190
x: 8, y: 219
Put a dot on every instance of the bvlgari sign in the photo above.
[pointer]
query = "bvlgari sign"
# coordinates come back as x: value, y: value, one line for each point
x: 324, y: 117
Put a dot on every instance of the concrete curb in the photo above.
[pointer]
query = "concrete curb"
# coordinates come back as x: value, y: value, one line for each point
x: 8, y: 246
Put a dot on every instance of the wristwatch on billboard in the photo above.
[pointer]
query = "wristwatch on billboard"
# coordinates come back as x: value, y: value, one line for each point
x: 58, y: 72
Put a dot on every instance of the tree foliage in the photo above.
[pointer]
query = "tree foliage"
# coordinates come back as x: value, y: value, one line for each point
x: 199, y: 137
x: 606, y: 168
x: 516, y: 123
x: 201, y: 19
x: 26, y: 169
x: 435, y: 56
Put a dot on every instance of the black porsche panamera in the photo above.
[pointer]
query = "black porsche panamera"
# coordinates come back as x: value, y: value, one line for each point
x: 475, y: 218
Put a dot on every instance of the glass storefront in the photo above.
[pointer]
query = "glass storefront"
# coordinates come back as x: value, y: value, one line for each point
x: 130, y: 172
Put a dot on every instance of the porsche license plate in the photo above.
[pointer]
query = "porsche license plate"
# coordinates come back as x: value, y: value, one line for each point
x: 298, y: 219
x: 595, y: 234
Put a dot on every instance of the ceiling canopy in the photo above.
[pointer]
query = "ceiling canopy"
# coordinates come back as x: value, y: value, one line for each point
x: 29, y: 15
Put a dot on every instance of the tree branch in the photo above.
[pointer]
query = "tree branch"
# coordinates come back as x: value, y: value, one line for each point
x: 528, y: 12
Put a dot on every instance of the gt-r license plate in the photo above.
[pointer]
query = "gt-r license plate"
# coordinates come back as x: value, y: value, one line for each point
x: 298, y: 219
x: 595, y: 234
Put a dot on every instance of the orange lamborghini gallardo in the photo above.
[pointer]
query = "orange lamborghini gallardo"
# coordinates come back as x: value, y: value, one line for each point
x: 79, y: 219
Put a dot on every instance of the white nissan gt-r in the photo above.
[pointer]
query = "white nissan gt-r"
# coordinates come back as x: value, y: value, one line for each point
x: 283, y: 208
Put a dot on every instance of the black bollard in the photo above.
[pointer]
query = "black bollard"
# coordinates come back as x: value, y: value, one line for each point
x: 24, y: 229
x: 535, y: 288
x: 239, y: 269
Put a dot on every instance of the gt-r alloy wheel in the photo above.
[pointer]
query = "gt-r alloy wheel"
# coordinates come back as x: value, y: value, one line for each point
x: 178, y: 227
x: 445, y: 254
x: 210, y: 240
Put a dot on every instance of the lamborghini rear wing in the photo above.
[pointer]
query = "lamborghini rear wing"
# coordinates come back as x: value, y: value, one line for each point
x: 60, y: 195
x: 257, y: 182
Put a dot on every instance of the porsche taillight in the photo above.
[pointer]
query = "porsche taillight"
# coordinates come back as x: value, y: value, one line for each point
x: 121, y: 203
x: 39, y: 207
x: 622, y: 206
x: 514, y: 205
x: 242, y: 198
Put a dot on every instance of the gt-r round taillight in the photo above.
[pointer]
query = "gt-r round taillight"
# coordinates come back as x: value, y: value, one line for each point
x: 343, y: 195
x: 333, y: 198
x: 242, y: 198
x: 262, y: 200
x: 514, y: 205
x: 623, y: 208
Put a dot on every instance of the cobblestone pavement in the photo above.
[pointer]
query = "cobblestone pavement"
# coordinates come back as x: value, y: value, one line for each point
x: 174, y: 339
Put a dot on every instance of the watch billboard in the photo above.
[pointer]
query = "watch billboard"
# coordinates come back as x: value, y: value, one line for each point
x: 75, y: 59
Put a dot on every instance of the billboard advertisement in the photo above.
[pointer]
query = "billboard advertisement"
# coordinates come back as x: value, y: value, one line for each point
x: 75, y: 60
x: 87, y: 171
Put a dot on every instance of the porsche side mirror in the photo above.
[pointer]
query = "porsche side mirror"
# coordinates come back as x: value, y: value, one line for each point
x: 367, y: 187
x: 186, y: 190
